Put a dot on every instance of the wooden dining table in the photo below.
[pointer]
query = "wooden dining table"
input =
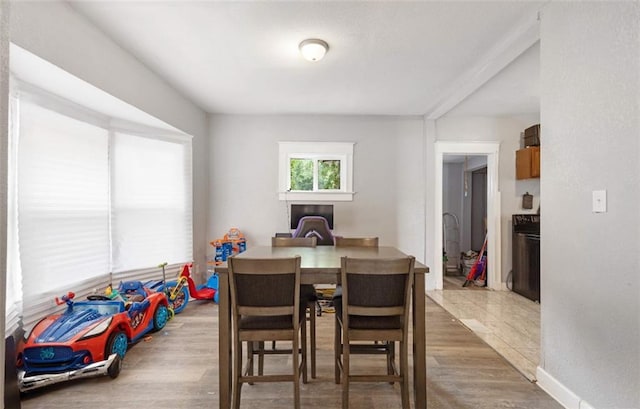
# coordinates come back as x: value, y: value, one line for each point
x: 321, y: 265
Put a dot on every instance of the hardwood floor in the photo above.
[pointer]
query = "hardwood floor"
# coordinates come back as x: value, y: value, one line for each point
x: 507, y: 321
x: 177, y: 368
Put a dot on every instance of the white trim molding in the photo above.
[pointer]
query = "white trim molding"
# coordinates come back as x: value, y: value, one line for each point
x: 524, y: 34
x: 491, y: 149
x: 559, y: 392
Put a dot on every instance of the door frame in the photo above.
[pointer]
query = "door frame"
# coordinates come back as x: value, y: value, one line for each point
x: 491, y: 149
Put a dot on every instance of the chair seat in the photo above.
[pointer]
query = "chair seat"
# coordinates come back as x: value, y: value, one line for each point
x: 273, y: 322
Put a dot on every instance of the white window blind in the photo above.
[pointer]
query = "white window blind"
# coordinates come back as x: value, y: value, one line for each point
x: 13, y: 300
x: 63, y: 200
x: 151, y: 201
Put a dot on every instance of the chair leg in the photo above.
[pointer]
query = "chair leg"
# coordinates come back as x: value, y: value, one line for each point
x: 404, y: 367
x: 303, y: 348
x: 250, y: 353
x: 261, y: 358
x: 345, y: 374
x: 337, y: 349
x: 390, y: 357
x: 312, y: 331
x: 296, y: 372
x: 237, y: 364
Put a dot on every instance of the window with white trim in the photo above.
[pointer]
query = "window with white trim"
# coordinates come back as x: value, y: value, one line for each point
x: 89, y: 195
x: 320, y: 171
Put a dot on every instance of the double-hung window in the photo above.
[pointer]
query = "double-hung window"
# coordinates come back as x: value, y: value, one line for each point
x: 316, y: 171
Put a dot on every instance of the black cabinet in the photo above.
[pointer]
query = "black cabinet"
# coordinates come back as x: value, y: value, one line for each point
x: 526, y: 255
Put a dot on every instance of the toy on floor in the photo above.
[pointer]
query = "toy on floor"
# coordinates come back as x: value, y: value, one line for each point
x: 478, y: 270
x: 179, y: 291
x: 232, y: 243
x: 177, y: 294
x: 90, y: 338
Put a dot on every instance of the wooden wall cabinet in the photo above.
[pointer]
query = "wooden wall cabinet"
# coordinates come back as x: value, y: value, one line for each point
x: 528, y: 163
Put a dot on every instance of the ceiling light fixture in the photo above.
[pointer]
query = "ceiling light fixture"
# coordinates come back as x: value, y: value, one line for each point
x: 313, y: 49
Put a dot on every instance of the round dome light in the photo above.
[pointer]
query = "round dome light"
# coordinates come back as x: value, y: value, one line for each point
x: 313, y: 49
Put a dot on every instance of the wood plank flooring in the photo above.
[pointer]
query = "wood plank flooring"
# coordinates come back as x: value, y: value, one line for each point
x: 177, y: 368
x: 505, y: 320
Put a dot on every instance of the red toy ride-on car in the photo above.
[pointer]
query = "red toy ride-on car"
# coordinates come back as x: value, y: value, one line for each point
x: 91, y: 337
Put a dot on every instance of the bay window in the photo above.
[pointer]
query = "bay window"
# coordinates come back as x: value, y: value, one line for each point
x: 89, y: 195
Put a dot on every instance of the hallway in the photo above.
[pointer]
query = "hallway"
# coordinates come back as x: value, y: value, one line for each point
x: 506, y: 321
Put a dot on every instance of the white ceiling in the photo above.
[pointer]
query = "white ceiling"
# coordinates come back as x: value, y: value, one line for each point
x: 514, y: 90
x: 385, y: 58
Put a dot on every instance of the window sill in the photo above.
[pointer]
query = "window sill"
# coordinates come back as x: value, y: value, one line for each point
x: 317, y: 196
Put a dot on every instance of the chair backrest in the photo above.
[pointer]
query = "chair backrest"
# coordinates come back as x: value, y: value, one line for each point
x: 294, y: 241
x: 315, y: 226
x: 265, y: 287
x: 376, y: 287
x: 356, y: 241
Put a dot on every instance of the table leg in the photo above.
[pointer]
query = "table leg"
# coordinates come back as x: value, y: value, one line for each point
x: 419, y: 343
x: 224, y: 341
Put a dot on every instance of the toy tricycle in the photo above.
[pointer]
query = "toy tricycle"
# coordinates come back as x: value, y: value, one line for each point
x: 179, y: 291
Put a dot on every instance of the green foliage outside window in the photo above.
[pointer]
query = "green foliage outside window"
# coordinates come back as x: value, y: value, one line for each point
x: 329, y: 175
x: 302, y: 174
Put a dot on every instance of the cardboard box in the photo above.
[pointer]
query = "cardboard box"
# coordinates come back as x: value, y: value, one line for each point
x: 532, y: 136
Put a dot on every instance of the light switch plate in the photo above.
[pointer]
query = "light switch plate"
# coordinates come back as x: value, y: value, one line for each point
x: 599, y: 204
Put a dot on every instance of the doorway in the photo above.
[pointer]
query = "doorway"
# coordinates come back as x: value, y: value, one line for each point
x: 464, y: 218
x: 491, y: 150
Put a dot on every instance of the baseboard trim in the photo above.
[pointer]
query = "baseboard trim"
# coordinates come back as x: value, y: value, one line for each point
x: 559, y: 392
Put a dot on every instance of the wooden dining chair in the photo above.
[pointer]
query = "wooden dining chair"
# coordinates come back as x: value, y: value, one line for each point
x: 294, y: 241
x: 308, y: 297
x: 356, y: 241
x: 265, y: 305
x: 336, y: 300
x: 376, y: 296
x: 351, y: 242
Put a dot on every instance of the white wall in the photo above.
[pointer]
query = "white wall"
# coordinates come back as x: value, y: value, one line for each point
x: 453, y: 189
x: 505, y: 130
x: 4, y: 148
x: 408, y: 140
x: 590, y: 284
x: 452, y: 202
x: 58, y: 34
x: 388, y: 176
